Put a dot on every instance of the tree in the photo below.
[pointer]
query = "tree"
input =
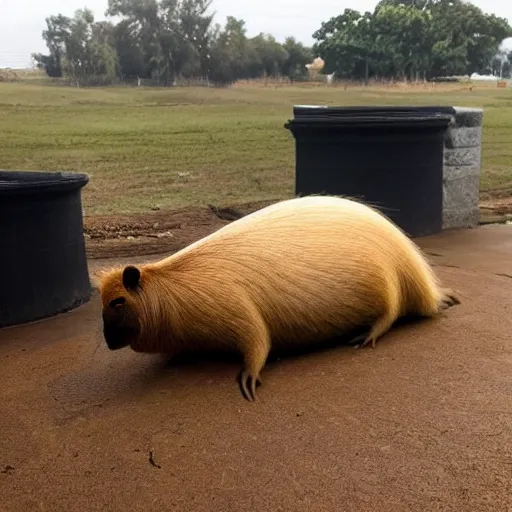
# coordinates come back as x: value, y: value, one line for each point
x: 403, y: 34
x: 89, y: 55
x: 230, y: 52
x: 140, y: 26
x: 55, y: 36
x: 79, y: 48
x: 489, y: 32
x: 294, y: 67
x: 130, y: 51
x: 411, y: 39
x: 348, y: 43
x: 268, y: 56
x: 196, y: 30
x: 171, y: 37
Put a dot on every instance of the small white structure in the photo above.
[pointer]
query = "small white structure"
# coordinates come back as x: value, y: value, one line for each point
x: 488, y: 78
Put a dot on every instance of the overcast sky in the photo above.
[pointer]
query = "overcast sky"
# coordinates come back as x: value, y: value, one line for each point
x: 22, y: 21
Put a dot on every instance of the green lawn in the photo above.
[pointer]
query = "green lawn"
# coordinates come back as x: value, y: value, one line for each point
x: 190, y: 146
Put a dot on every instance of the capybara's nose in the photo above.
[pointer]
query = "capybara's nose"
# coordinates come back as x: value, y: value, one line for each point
x: 115, y: 337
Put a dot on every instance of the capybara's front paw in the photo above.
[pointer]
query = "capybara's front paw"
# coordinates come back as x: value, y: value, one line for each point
x: 248, y: 384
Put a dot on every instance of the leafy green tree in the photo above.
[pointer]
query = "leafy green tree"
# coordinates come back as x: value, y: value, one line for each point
x: 55, y: 36
x: 230, y: 52
x: 297, y: 56
x: 140, y: 26
x: 196, y: 29
x: 80, y: 49
x: 483, y: 46
x: 89, y: 55
x: 403, y: 34
x: 130, y: 51
x: 171, y: 37
x: 411, y: 39
x: 347, y: 44
x: 268, y: 56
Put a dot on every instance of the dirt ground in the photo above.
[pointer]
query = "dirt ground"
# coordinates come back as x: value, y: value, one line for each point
x: 166, y: 232
x: 421, y: 423
x: 157, y: 232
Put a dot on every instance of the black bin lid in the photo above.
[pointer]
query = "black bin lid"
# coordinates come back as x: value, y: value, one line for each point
x: 38, y: 182
x: 369, y: 110
x: 392, y: 116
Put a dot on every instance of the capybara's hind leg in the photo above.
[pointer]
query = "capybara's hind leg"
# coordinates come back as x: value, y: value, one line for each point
x: 379, y: 328
x: 448, y: 299
x: 357, y: 339
x: 388, y: 318
x: 255, y: 352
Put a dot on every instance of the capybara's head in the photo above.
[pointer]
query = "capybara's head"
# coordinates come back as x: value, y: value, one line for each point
x: 119, y: 291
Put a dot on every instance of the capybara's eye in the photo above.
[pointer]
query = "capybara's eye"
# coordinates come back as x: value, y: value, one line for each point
x: 117, y: 302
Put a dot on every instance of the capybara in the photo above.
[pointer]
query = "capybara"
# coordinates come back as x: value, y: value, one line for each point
x: 300, y: 271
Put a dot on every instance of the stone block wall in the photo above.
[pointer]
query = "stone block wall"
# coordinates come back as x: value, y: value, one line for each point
x: 461, y: 172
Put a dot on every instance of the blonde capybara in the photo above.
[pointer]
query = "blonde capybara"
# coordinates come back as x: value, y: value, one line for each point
x: 293, y: 273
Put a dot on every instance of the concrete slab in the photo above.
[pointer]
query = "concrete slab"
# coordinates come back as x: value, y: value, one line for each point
x: 421, y: 423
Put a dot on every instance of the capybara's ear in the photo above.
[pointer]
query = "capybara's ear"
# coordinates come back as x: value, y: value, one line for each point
x: 131, y: 277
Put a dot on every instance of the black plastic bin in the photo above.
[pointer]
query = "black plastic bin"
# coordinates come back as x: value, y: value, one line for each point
x: 391, y: 157
x: 42, y: 247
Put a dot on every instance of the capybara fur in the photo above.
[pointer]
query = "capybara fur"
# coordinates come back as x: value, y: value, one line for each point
x: 297, y: 272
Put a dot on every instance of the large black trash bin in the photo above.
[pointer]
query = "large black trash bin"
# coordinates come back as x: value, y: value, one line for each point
x: 391, y: 157
x: 42, y: 248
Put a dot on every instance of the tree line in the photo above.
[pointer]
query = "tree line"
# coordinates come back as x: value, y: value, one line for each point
x: 163, y: 40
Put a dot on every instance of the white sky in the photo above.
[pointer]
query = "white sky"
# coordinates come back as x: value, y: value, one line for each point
x: 22, y: 21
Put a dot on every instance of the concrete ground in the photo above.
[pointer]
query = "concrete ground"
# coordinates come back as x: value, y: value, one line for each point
x: 421, y: 423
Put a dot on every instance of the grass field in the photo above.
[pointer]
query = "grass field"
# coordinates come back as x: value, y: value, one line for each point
x: 170, y: 148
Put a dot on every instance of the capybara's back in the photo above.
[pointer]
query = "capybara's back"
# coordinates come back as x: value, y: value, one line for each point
x: 295, y: 272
